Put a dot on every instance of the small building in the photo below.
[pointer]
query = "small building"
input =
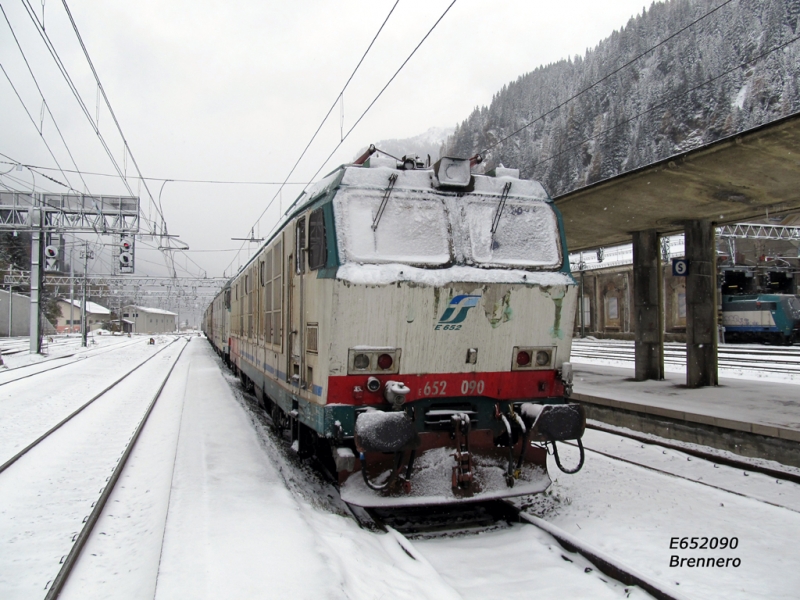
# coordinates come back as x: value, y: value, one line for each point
x: 142, y: 319
x: 97, y: 316
x: 20, y: 314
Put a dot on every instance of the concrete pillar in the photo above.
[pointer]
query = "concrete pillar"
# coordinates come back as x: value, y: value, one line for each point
x: 701, y: 305
x: 647, y: 310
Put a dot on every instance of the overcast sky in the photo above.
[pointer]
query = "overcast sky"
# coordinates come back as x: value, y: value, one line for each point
x: 234, y: 91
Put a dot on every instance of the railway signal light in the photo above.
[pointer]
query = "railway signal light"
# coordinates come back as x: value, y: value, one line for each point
x: 50, y: 257
x: 126, y: 250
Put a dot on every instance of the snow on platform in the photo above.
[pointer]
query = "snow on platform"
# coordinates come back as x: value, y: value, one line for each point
x: 756, y: 406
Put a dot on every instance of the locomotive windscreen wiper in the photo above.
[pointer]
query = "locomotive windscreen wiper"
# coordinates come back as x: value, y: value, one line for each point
x: 500, y: 207
x: 384, y: 200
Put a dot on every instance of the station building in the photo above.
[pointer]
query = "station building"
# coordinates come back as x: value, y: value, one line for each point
x: 143, y: 319
x: 18, y: 314
x: 97, y: 316
x: 744, y: 266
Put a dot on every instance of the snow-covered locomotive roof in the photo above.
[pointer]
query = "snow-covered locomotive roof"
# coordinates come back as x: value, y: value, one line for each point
x: 425, y: 179
x: 434, y: 234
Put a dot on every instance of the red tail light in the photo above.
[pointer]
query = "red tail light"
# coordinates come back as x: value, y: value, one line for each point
x: 523, y: 358
x: 385, y: 361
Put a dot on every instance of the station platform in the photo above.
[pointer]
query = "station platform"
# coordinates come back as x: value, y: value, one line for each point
x: 756, y: 418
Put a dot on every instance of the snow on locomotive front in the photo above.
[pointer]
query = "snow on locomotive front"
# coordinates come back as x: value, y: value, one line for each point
x: 447, y: 347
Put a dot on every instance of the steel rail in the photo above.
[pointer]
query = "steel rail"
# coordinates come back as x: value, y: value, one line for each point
x: 60, y: 356
x: 684, y: 477
x: 709, y: 456
x: 605, y: 563
x: 81, y: 539
x: 504, y: 510
x: 38, y: 440
x: 765, y: 362
x: 72, y: 362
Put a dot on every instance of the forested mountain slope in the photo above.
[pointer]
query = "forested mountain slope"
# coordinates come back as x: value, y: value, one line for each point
x: 731, y: 71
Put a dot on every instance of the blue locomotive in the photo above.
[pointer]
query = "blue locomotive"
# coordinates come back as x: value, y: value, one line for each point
x: 773, y: 318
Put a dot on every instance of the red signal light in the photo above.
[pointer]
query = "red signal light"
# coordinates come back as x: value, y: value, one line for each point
x: 523, y: 358
x: 385, y: 361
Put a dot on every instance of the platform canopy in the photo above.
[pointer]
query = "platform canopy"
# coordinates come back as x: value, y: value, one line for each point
x: 747, y: 176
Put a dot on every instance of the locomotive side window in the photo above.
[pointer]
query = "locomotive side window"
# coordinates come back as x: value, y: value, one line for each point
x: 317, y: 251
x: 267, y: 308
x: 273, y: 269
x: 299, y: 246
x: 249, y: 289
x: 241, y: 310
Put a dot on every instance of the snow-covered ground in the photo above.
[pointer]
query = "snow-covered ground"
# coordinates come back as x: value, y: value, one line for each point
x: 634, y: 514
x: 736, y: 361
x: 212, y: 505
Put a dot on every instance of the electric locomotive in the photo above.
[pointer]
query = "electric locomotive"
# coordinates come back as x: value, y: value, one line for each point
x: 771, y: 318
x: 411, y: 327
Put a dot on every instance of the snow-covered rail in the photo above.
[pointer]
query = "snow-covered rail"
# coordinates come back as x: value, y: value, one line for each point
x: 406, y: 525
x: 731, y: 356
x: 69, y: 417
x: 47, y: 491
x: 605, y: 563
x: 763, y: 484
x: 717, y: 457
x: 12, y: 374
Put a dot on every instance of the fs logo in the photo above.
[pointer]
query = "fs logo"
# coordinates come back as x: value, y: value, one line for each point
x: 457, y: 312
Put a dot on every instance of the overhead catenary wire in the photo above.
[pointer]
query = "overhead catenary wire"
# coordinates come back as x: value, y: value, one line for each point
x: 111, y: 111
x: 45, y: 104
x: 363, y: 114
x: 324, y: 120
x: 607, y: 76
x: 41, y: 135
x: 170, y: 179
x: 73, y: 89
x: 328, y: 114
x: 383, y: 89
x: 671, y: 98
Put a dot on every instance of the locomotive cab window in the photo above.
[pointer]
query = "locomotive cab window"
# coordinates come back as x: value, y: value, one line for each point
x: 526, y: 233
x: 412, y: 229
x: 317, y: 251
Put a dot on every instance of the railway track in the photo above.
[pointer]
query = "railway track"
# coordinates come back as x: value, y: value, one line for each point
x: 409, y: 524
x: 44, y: 366
x: 757, y: 482
x: 712, y: 470
x: 48, y: 487
x: 773, y: 359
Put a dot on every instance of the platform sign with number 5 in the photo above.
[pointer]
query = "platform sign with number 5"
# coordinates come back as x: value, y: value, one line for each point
x: 680, y: 267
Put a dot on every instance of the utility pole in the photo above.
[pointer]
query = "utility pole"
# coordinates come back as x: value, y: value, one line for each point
x: 71, y: 293
x: 10, y: 307
x: 86, y: 255
x: 36, y: 276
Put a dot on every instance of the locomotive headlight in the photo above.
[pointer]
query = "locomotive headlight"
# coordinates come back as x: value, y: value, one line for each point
x: 542, y: 358
x: 453, y: 172
x: 361, y: 362
x: 373, y: 384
